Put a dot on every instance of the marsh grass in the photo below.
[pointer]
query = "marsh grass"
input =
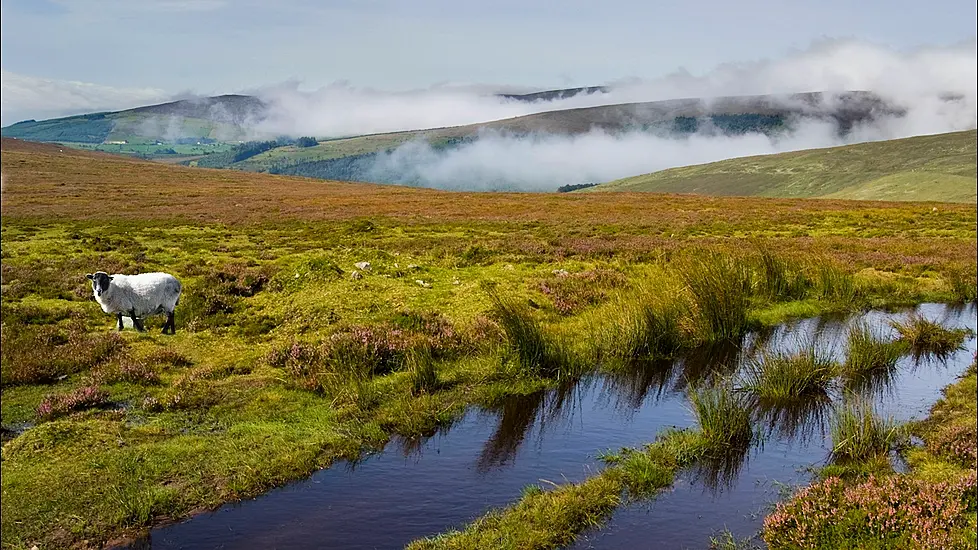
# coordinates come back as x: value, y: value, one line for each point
x: 643, y: 472
x: 530, y: 345
x: 720, y: 288
x: 870, y: 356
x: 541, y: 519
x: 833, y: 282
x: 645, y: 325
x: 859, y: 434
x: 963, y: 283
x: 423, y: 370
x: 781, y: 278
x: 923, y: 336
x: 725, y: 419
x: 779, y: 377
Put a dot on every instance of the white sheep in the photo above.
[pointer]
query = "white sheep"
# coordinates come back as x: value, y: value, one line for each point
x: 137, y: 296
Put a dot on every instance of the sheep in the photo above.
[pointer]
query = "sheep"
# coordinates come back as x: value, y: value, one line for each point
x: 137, y: 296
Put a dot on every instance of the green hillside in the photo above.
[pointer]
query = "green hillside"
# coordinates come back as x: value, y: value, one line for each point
x: 924, y: 168
x: 196, y: 126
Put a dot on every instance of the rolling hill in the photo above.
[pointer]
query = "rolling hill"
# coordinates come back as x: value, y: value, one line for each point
x: 208, y: 120
x: 353, y: 158
x: 186, y: 121
x: 938, y: 167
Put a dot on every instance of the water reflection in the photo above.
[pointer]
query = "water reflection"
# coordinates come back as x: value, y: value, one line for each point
x: 484, y: 460
x: 519, y: 414
x: 719, y: 472
x: 799, y: 420
x: 632, y: 385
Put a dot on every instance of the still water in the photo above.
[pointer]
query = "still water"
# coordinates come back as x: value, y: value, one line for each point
x: 421, y: 487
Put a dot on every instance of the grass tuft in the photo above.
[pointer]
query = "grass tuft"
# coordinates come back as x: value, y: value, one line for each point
x: 859, y: 434
x: 531, y: 346
x: 724, y: 418
x: 423, y: 371
x: 645, y: 325
x: 777, y: 377
x: 780, y: 277
x: 924, y: 336
x: 963, y: 283
x: 720, y: 287
x: 869, y: 356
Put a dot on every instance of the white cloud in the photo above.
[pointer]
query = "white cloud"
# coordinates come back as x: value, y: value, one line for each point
x: 26, y: 96
x: 904, y: 78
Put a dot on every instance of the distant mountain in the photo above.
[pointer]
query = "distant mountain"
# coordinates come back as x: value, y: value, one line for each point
x: 354, y: 159
x: 551, y: 95
x: 184, y: 122
x: 207, y: 119
x: 925, y: 168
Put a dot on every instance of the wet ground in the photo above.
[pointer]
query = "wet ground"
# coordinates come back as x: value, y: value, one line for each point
x: 417, y: 488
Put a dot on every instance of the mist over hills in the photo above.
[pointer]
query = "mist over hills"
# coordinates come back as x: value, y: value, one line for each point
x: 539, y: 151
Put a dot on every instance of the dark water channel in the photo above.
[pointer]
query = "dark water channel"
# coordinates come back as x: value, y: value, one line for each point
x: 422, y: 487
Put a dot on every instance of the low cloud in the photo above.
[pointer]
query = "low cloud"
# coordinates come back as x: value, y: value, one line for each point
x: 924, y: 91
x: 544, y: 162
x: 902, y: 78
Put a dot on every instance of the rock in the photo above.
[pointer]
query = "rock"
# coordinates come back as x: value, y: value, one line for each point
x: 422, y: 283
x: 363, y: 266
x: 560, y: 272
x: 356, y: 275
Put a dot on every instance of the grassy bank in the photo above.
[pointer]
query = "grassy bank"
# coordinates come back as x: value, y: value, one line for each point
x: 864, y: 504
x: 288, y: 356
x: 938, y: 168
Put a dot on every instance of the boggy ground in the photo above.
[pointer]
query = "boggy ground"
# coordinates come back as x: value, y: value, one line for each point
x: 285, y: 360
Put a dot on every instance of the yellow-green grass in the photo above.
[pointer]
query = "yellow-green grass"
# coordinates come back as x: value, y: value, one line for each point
x: 267, y: 266
x: 925, y: 168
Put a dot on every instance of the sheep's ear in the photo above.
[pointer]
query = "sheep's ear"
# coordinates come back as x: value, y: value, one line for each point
x: 89, y: 276
x: 111, y: 277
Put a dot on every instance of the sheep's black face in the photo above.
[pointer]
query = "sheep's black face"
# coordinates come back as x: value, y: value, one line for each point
x: 100, y: 282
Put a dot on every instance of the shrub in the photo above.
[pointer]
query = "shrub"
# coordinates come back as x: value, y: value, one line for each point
x: 86, y: 397
x: 893, y: 512
x: 167, y: 356
x: 133, y: 372
x: 572, y: 292
x: 216, y: 294
x: 37, y: 355
x: 958, y: 443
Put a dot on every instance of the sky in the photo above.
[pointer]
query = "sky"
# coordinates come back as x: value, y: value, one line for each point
x: 68, y: 57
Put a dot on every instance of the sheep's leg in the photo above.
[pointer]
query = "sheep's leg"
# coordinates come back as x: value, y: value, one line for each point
x: 119, y: 318
x: 136, y: 321
x: 169, y: 323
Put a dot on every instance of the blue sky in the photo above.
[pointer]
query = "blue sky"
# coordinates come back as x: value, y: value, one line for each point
x: 74, y: 56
